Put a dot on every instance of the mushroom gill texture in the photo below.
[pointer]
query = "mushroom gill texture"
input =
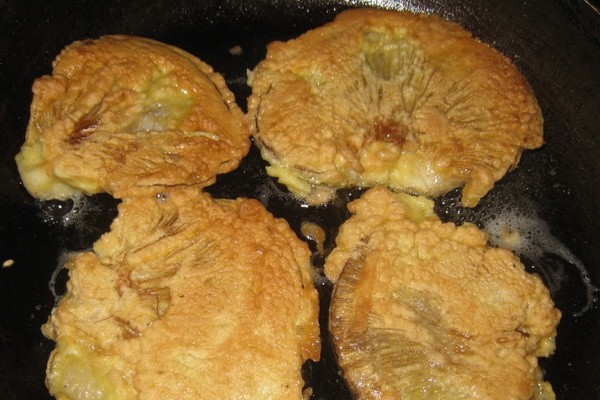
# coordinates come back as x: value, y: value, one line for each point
x: 120, y: 113
x: 427, y: 310
x: 410, y: 101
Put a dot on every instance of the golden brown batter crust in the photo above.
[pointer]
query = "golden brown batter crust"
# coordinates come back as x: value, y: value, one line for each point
x: 427, y: 310
x: 186, y: 298
x: 413, y: 102
x: 121, y: 112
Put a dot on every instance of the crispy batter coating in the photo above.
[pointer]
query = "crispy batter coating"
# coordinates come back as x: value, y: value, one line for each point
x: 123, y: 112
x: 410, y: 101
x: 427, y: 310
x: 186, y: 298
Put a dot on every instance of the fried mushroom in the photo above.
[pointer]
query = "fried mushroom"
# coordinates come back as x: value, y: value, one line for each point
x: 427, y: 310
x: 410, y: 101
x: 186, y: 298
x: 122, y: 112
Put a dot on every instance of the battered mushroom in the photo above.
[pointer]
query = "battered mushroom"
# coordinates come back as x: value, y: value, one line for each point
x: 186, y: 298
x: 427, y: 310
x: 410, y: 101
x: 120, y: 112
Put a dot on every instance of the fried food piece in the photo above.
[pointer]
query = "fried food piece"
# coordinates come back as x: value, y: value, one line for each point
x: 427, y: 310
x: 409, y: 101
x: 121, y: 112
x: 186, y: 298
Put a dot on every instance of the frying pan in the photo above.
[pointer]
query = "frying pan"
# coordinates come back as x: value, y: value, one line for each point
x: 555, y: 43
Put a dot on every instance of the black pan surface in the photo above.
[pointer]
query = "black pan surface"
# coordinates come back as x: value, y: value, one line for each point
x: 556, y: 44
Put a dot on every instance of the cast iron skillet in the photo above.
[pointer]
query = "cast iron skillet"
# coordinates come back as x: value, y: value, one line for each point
x: 556, y: 43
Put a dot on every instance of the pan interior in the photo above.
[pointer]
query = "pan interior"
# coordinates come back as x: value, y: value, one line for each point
x: 551, y: 197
